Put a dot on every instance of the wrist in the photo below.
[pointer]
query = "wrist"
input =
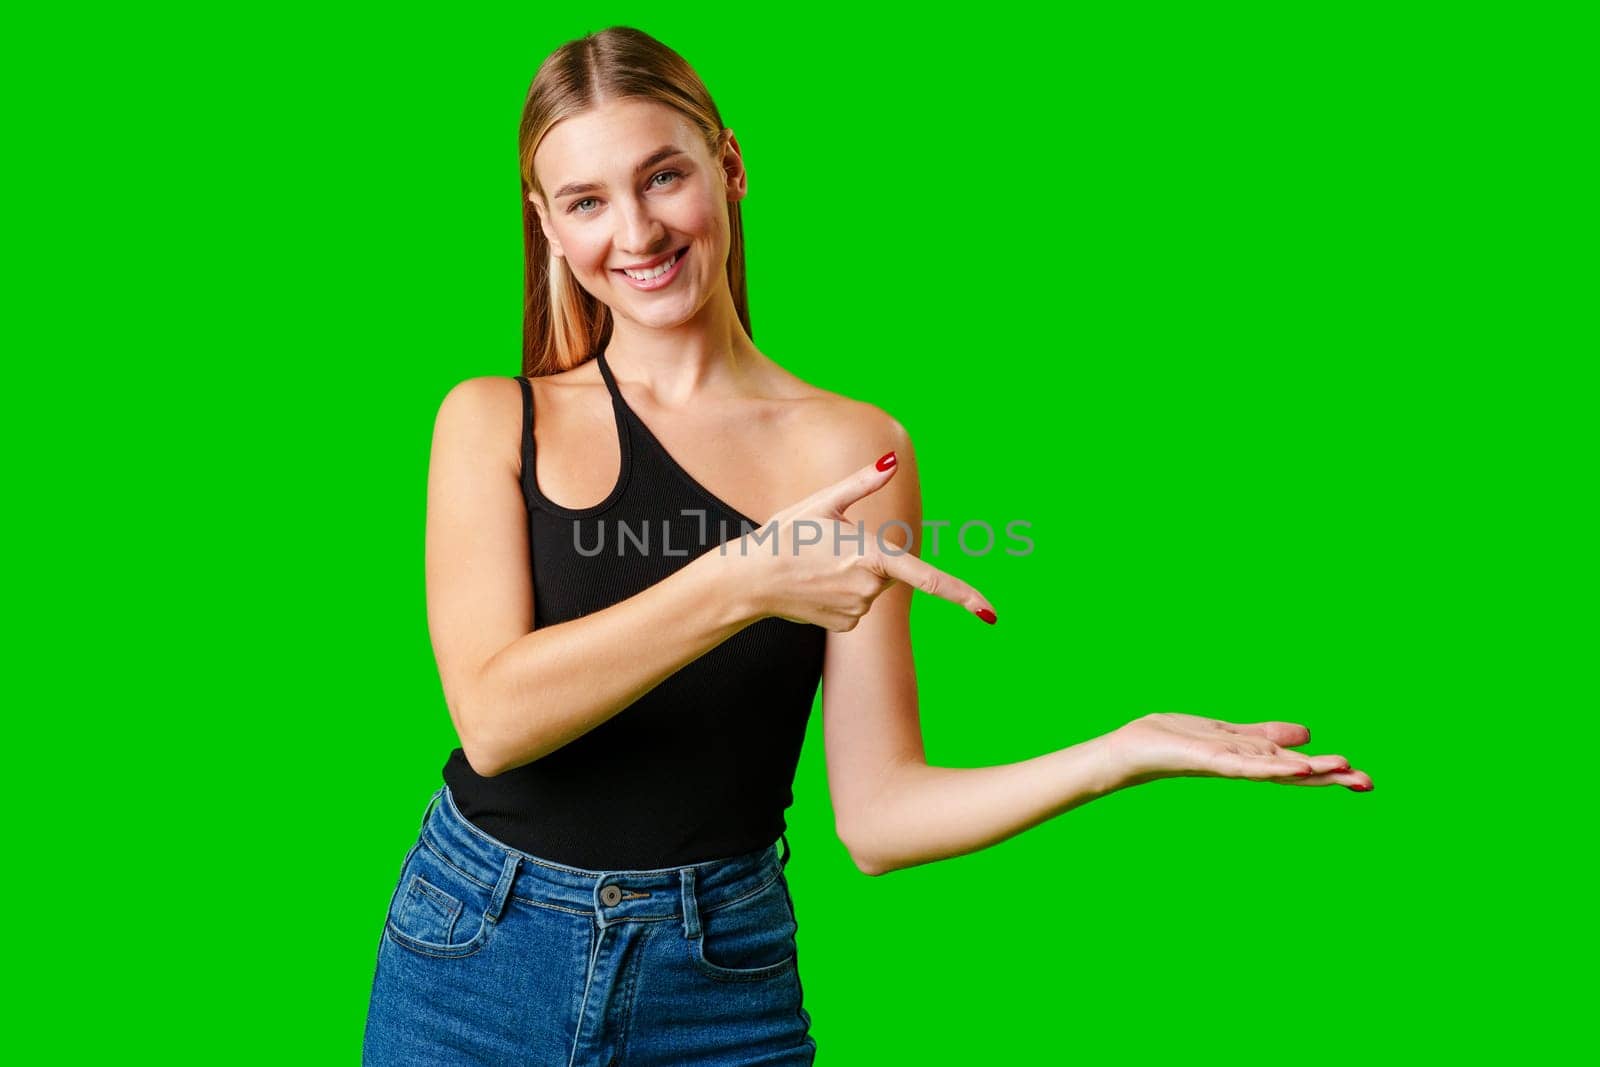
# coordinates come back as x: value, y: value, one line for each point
x: 732, y: 586
x: 1127, y: 756
x: 1118, y: 762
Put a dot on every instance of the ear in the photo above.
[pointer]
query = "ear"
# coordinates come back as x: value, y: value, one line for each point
x: 544, y: 224
x: 733, y: 174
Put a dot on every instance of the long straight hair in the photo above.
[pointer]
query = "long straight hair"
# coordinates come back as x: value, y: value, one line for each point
x: 562, y: 325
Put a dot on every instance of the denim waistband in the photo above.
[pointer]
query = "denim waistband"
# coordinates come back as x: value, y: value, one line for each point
x: 615, y: 896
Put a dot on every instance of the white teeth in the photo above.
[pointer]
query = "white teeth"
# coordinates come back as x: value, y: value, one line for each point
x: 646, y: 275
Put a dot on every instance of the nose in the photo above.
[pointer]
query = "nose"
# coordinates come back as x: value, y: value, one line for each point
x: 640, y: 233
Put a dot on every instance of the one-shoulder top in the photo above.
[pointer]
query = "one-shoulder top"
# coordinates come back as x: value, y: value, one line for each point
x: 700, y: 767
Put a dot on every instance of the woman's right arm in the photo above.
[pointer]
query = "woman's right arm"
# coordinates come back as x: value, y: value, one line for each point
x: 516, y: 692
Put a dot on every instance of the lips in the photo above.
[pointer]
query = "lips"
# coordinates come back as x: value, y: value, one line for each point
x: 664, y: 280
x: 662, y: 258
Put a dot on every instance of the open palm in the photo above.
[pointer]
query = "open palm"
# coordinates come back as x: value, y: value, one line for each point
x: 1174, y: 745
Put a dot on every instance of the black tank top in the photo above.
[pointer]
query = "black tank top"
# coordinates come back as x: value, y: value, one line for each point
x: 702, y: 766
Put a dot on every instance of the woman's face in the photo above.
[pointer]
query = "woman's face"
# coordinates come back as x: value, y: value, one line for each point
x: 632, y: 185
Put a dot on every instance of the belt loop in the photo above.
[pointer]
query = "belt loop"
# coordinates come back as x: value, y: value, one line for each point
x: 786, y: 850
x: 691, y: 906
x: 502, y: 889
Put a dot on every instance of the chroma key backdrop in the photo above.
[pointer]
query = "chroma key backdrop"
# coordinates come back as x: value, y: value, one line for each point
x: 1263, y: 322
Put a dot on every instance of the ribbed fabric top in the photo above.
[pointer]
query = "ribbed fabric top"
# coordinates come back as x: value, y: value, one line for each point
x: 702, y: 766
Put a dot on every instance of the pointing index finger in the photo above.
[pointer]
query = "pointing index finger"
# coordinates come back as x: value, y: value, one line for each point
x: 840, y: 495
x: 919, y: 574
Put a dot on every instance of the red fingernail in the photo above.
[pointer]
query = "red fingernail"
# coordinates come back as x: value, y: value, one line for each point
x: 983, y: 613
x: 886, y: 461
x: 1359, y: 788
x: 1306, y: 771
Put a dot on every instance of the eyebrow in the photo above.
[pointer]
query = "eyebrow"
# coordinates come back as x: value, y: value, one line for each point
x: 664, y: 152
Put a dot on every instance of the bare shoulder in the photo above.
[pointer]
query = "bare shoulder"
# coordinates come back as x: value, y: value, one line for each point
x: 568, y: 399
x: 491, y: 395
x: 481, y: 417
x: 847, y: 433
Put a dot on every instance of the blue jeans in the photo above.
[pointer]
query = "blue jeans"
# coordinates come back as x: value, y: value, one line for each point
x: 490, y: 955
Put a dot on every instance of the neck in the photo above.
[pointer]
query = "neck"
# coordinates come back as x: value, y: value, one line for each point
x: 704, y: 357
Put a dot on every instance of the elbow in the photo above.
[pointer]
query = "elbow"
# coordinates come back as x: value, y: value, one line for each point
x: 491, y: 755
x: 473, y: 710
x: 868, y: 868
x: 866, y: 862
x: 481, y: 764
x: 482, y: 755
x: 481, y: 758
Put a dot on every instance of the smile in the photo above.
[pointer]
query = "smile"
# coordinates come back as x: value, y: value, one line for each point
x: 658, y: 276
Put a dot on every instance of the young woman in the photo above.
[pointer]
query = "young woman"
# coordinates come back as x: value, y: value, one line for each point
x: 643, y: 555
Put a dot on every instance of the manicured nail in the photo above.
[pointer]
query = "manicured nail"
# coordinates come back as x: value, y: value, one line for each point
x: 1359, y: 788
x: 983, y: 613
x: 886, y: 461
x: 1306, y: 771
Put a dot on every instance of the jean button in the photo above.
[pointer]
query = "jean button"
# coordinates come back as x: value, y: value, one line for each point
x: 610, y: 895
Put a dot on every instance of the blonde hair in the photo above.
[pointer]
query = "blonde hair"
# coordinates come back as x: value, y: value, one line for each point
x: 563, y: 326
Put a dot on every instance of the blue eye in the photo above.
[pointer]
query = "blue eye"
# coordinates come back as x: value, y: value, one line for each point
x: 573, y: 209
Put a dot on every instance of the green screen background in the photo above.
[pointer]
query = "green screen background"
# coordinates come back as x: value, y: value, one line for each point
x: 1268, y: 323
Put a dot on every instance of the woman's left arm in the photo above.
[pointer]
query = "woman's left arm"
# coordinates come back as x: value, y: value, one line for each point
x: 892, y: 810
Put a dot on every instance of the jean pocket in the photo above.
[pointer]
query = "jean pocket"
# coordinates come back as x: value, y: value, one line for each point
x: 749, y: 939
x: 439, y: 910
